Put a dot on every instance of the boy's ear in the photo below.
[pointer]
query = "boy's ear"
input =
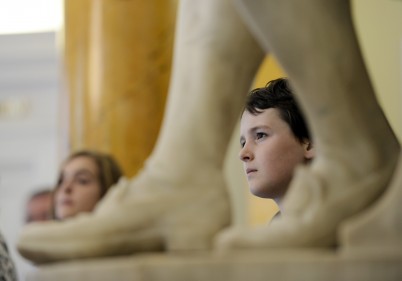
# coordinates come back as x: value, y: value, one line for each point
x: 309, y: 151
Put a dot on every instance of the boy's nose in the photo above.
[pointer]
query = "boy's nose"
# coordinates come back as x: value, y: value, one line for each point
x: 245, y: 154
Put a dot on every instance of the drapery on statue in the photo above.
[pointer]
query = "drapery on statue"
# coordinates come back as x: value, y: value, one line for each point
x: 179, y: 200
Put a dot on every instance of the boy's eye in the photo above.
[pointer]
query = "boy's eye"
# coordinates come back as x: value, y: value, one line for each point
x: 260, y: 135
x: 242, y: 141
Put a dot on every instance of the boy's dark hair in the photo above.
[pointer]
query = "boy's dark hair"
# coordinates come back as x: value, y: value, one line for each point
x: 278, y: 94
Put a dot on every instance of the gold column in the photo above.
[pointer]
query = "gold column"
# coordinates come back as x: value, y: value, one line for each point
x: 118, y: 60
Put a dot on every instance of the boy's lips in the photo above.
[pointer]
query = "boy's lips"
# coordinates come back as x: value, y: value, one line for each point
x: 250, y: 170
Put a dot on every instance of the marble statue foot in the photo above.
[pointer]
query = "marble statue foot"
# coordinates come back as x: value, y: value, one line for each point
x: 143, y: 215
x: 314, y: 208
x: 379, y: 228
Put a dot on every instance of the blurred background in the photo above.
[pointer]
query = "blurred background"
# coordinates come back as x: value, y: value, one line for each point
x: 95, y: 73
x: 31, y: 126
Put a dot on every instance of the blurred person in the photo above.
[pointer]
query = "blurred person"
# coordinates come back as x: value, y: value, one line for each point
x: 7, y: 268
x: 39, y: 206
x: 84, y: 179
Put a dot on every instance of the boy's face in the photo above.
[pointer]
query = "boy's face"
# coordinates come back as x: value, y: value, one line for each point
x: 269, y: 152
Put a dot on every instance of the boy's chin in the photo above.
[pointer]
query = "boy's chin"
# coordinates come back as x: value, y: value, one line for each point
x: 260, y: 193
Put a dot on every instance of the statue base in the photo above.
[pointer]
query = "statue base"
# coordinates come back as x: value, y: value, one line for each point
x: 278, y: 265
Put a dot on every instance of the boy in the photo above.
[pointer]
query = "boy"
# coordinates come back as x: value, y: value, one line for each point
x: 274, y: 140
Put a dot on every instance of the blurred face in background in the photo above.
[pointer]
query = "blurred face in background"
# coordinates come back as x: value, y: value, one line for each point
x: 39, y: 207
x: 79, y: 188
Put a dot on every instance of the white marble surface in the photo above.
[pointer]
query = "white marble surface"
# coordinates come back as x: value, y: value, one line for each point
x: 311, y: 265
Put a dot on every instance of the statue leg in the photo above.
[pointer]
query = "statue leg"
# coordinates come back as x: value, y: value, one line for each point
x: 378, y: 229
x: 179, y: 200
x: 357, y: 151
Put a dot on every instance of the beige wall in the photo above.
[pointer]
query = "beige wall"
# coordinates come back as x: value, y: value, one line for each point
x: 379, y: 27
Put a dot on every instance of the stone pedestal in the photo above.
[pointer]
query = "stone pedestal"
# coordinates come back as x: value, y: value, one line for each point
x: 284, y: 265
